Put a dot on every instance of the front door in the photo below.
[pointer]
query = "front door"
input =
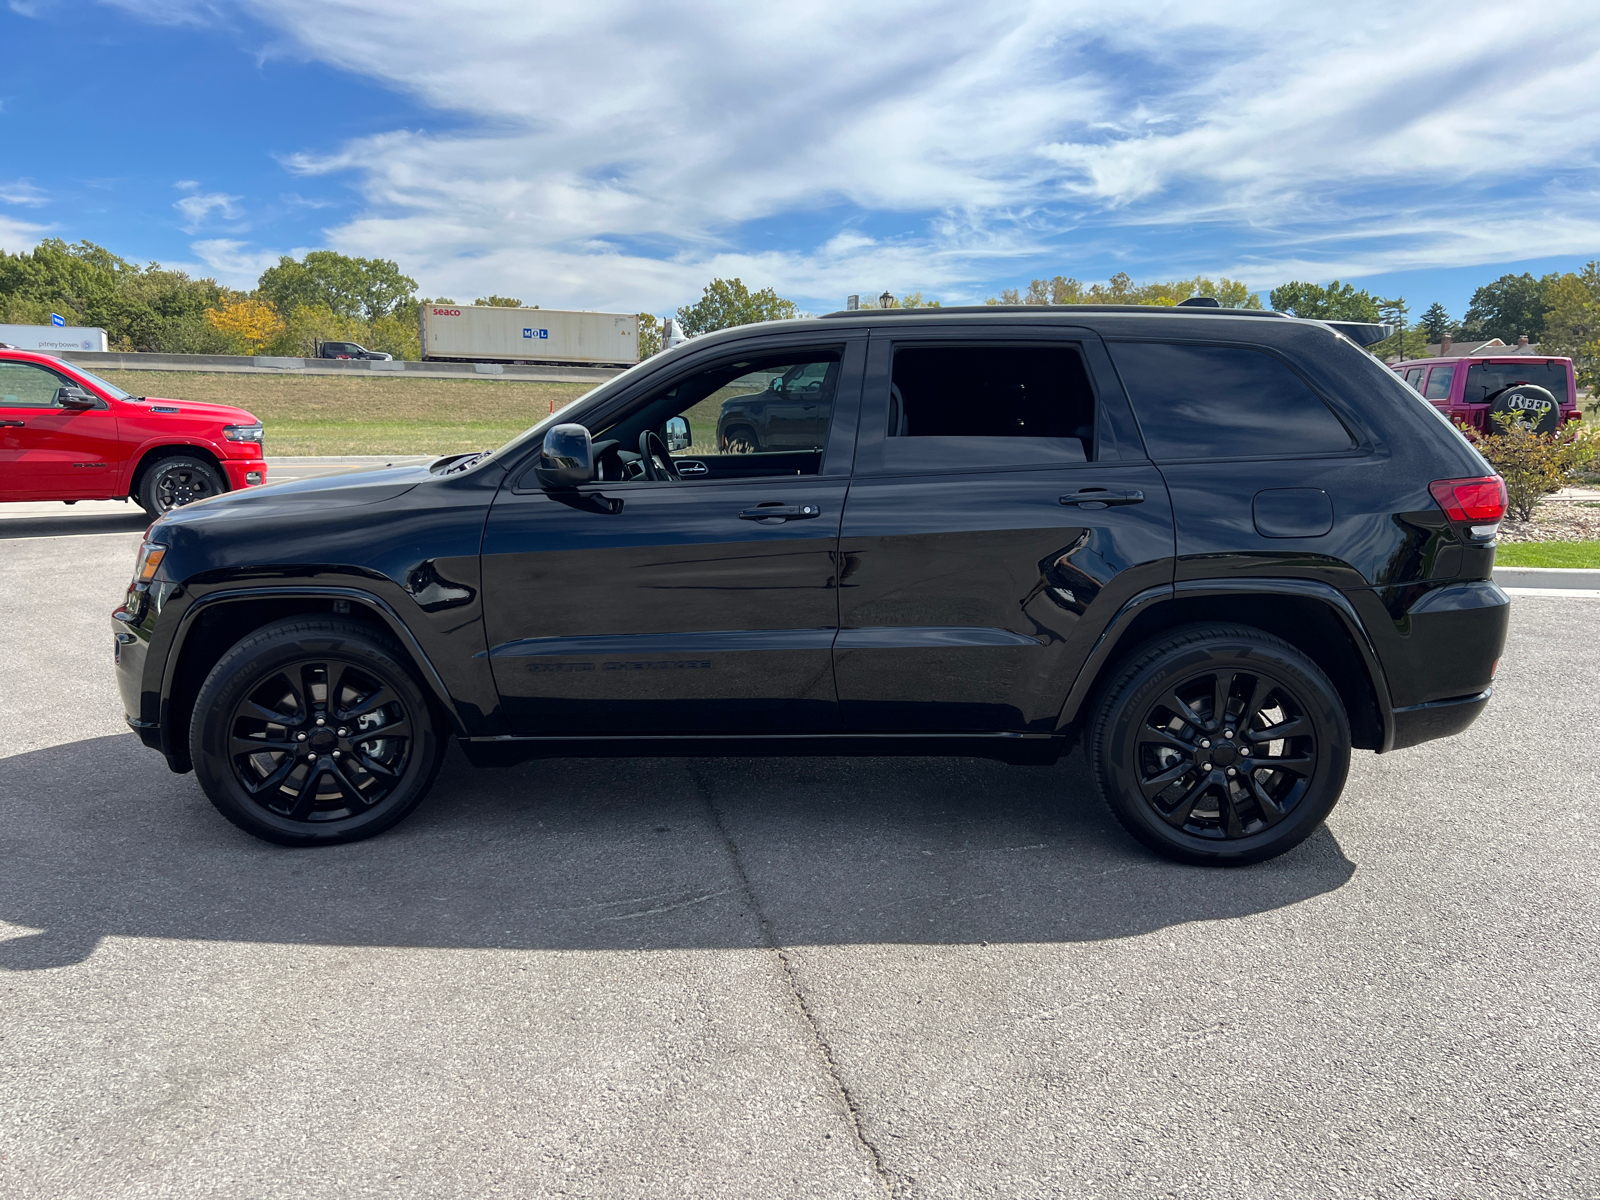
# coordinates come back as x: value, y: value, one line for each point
x: 1000, y: 496
x: 48, y: 451
x: 705, y: 604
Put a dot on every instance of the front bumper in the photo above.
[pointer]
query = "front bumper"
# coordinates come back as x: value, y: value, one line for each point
x: 244, y: 472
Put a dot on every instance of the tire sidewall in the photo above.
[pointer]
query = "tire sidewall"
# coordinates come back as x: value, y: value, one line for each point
x: 1126, y: 709
x: 245, y: 668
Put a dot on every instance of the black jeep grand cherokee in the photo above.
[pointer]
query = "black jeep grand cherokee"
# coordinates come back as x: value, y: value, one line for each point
x: 1219, y: 549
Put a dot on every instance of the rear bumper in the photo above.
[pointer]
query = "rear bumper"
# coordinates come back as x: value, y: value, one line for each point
x: 1437, y: 719
x: 244, y: 472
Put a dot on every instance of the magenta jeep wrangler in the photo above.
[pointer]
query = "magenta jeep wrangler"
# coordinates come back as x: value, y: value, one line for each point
x: 1471, y: 389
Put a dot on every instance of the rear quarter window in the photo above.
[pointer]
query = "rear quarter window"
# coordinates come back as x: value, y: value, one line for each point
x: 1206, y: 402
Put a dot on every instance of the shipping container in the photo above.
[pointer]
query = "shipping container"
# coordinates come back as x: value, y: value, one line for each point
x: 479, y: 333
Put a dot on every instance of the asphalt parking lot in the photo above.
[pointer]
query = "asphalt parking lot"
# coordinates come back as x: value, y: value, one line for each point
x: 776, y: 978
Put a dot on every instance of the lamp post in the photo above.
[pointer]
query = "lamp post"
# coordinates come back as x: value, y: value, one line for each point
x: 886, y: 300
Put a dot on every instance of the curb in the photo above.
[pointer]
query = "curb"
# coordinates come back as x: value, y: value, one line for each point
x: 1562, y: 578
x: 1549, y: 582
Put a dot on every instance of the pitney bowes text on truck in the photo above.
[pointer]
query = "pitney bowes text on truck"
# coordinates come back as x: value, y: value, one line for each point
x: 479, y: 333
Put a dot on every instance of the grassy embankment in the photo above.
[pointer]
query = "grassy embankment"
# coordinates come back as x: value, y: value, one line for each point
x: 329, y: 414
x: 1548, y: 554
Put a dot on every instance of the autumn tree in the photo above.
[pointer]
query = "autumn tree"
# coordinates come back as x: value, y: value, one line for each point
x: 253, y: 322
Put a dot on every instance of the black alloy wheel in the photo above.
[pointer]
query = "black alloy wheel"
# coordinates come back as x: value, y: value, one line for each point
x: 739, y: 440
x: 173, y: 482
x: 313, y: 731
x: 1221, y: 745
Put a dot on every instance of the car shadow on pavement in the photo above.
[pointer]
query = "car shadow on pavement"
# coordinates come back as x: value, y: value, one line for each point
x: 98, y: 839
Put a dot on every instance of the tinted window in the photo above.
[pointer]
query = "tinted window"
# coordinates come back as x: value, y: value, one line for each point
x: 1196, y: 402
x: 982, y: 406
x: 1414, y: 377
x: 1486, y: 380
x: 1439, y: 383
x: 23, y: 385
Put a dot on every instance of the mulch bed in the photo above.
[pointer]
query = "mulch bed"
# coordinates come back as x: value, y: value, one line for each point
x: 1556, y: 521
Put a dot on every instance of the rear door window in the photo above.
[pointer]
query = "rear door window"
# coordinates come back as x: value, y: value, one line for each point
x: 1206, y: 402
x: 1439, y: 381
x: 976, y: 406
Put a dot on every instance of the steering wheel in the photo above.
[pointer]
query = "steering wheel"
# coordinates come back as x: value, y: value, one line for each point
x: 658, y: 464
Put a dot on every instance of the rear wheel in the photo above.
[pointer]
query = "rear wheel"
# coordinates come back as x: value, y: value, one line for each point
x: 173, y: 482
x: 313, y: 731
x: 1220, y: 745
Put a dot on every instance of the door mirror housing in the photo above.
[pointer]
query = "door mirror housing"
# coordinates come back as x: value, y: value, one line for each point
x: 676, y: 434
x: 74, y: 397
x: 567, y: 458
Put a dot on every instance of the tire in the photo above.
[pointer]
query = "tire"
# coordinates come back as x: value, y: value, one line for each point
x: 1174, y: 776
x: 171, y: 483
x: 740, y: 440
x: 1528, y: 403
x: 323, y: 776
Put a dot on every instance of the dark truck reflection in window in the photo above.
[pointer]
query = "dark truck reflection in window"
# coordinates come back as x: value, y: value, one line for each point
x: 789, y: 413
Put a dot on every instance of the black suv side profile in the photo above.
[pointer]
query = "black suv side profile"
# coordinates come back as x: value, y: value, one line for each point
x: 1218, y: 550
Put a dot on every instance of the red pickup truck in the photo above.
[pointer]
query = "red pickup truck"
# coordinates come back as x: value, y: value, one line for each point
x: 68, y: 435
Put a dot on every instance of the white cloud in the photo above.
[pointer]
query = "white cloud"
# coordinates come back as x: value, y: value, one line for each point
x: 198, y: 206
x: 17, y: 236
x: 230, y: 262
x: 22, y: 192
x: 620, y: 153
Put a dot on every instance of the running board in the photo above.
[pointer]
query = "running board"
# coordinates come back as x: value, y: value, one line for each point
x: 1027, y: 749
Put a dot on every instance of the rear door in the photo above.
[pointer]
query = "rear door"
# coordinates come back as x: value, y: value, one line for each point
x: 1002, y: 508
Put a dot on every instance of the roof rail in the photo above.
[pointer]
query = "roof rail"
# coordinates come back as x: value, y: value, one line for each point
x: 1165, y: 309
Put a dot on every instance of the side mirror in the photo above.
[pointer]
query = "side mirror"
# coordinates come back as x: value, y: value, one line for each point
x: 567, y: 458
x: 677, y: 432
x: 74, y: 397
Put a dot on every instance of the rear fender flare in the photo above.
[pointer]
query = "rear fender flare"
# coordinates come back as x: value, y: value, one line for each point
x: 1114, y: 637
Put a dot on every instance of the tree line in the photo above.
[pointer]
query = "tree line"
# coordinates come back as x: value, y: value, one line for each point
x: 327, y: 296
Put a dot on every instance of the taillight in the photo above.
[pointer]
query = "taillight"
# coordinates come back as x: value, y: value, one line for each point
x: 1480, y: 503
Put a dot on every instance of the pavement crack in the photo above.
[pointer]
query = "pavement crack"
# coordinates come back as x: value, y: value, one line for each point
x: 824, y: 1051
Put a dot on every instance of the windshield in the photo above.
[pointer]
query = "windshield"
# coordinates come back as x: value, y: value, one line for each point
x: 109, y: 389
x: 1487, y: 380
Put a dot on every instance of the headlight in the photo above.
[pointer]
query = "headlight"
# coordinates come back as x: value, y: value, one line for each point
x: 243, y: 433
x: 150, y: 556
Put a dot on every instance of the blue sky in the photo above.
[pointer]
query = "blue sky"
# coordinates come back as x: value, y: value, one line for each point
x: 617, y: 155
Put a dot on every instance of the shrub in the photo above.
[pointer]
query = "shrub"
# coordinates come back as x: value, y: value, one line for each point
x: 1533, y: 464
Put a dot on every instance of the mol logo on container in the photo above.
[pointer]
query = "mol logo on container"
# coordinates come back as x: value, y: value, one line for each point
x: 536, y: 333
x: 447, y: 312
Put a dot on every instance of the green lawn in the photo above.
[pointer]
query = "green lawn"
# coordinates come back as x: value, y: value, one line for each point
x: 330, y: 414
x: 1548, y: 554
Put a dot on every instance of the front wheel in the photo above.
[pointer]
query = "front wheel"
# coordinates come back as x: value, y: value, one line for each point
x: 173, y: 482
x: 1220, y: 745
x: 313, y: 731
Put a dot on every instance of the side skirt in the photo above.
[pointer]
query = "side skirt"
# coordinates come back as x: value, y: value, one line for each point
x: 1022, y: 749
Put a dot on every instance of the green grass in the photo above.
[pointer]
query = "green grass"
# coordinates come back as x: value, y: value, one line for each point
x: 1548, y: 554
x: 329, y: 414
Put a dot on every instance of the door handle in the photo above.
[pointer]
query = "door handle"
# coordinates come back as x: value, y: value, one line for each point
x: 18, y: 424
x: 781, y: 512
x: 1099, y: 497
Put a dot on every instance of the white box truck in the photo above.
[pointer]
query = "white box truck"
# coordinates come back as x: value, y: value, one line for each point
x: 479, y: 333
x: 50, y: 338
